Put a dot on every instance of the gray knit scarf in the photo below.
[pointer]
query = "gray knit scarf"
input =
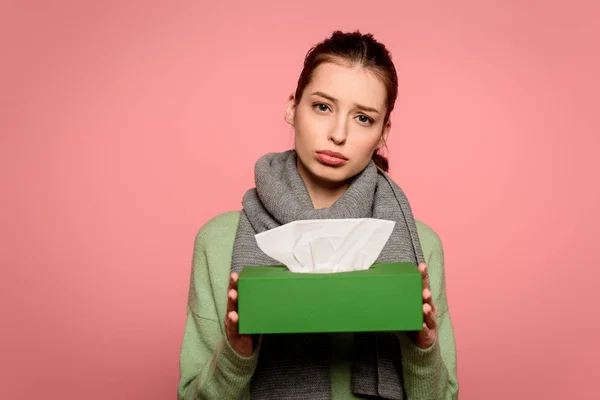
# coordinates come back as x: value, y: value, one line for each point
x: 296, y: 366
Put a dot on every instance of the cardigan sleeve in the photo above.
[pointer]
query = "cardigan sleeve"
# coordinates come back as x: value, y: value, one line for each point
x: 209, y: 367
x: 431, y: 374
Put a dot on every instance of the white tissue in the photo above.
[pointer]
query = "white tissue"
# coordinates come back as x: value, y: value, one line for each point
x: 328, y: 245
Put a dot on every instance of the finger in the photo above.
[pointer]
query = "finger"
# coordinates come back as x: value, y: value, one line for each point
x: 430, y: 316
x: 423, y: 271
x: 427, y: 315
x: 232, y: 293
x: 428, y: 299
x: 232, y: 297
x: 229, y: 321
x: 426, y: 337
x: 233, y: 318
x: 427, y: 296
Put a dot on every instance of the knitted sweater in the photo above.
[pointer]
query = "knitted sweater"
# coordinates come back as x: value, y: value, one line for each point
x: 211, y: 369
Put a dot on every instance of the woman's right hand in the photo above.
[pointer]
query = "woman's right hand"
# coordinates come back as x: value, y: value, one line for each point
x: 242, y: 344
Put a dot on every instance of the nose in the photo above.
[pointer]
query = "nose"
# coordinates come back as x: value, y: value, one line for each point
x: 339, y: 132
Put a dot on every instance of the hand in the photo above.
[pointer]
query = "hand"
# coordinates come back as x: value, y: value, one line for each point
x: 425, y: 338
x: 242, y: 344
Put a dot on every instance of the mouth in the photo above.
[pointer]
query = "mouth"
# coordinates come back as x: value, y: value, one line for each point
x: 331, y: 158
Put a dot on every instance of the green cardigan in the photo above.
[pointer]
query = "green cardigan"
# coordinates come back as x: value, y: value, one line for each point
x: 211, y: 369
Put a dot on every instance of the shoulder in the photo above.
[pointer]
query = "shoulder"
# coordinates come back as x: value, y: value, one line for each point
x: 430, y: 240
x: 218, y: 229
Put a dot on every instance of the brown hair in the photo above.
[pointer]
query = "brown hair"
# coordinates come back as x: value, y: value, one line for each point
x: 355, y: 49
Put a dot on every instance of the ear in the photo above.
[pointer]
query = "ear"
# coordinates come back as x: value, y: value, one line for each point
x: 290, y: 111
x: 384, y: 134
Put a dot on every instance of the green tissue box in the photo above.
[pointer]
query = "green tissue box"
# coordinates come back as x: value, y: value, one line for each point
x: 385, y: 297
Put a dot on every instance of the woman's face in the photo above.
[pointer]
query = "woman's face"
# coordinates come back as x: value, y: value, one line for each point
x: 338, y: 122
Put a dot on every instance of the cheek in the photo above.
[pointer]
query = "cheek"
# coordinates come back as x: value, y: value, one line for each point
x: 364, y: 143
x: 310, y: 128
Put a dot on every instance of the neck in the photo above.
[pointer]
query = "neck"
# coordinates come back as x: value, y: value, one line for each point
x: 322, y: 193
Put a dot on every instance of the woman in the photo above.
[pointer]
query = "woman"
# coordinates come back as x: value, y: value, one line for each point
x: 340, y: 113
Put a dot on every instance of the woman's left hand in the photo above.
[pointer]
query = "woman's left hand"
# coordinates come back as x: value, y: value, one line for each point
x: 425, y: 338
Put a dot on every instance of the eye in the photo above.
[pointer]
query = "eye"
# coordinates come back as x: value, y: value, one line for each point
x: 363, y: 119
x: 321, y: 107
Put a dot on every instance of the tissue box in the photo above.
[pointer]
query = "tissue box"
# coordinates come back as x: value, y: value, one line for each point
x: 385, y: 297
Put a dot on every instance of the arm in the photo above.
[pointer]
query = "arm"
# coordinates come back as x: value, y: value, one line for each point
x: 209, y: 367
x: 430, y: 374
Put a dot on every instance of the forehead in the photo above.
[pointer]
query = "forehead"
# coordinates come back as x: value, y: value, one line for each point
x: 348, y: 84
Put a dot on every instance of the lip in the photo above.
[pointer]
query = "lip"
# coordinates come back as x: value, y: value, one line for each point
x: 331, y: 158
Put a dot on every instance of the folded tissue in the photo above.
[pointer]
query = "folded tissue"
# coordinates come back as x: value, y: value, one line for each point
x: 328, y: 245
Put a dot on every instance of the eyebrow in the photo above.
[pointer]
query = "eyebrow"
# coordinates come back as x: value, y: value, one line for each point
x: 333, y: 99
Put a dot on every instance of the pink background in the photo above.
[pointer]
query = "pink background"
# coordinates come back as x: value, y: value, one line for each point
x: 120, y: 121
